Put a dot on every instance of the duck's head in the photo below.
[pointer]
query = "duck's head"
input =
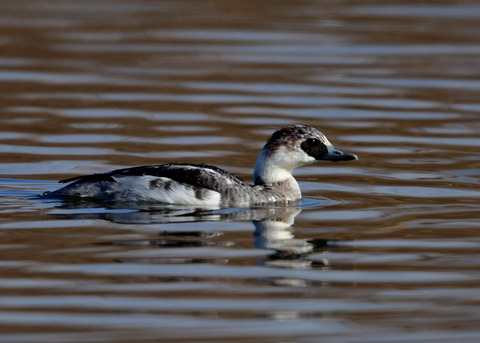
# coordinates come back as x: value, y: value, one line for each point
x: 293, y: 147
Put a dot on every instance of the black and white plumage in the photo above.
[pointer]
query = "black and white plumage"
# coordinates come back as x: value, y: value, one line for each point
x: 206, y: 185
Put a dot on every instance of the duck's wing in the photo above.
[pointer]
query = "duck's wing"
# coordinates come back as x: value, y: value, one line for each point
x: 197, y: 175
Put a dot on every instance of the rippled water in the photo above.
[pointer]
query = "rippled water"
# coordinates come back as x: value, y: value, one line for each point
x: 384, y: 249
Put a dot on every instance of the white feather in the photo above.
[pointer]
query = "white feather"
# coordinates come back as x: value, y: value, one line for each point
x: 132, y: 188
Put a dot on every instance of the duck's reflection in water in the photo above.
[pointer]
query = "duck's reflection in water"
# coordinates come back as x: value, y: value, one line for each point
x: 126, y: 213
x: 276, y: 232
x: 273, y: 228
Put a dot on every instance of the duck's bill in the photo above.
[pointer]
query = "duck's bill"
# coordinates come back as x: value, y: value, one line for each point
x: 337, y: 155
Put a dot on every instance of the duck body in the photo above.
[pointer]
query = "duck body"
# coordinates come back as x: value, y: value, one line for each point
x: 209, y: 186
x: 176, y: 183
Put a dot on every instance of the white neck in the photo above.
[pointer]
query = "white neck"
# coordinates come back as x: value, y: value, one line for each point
x: 269, y: 171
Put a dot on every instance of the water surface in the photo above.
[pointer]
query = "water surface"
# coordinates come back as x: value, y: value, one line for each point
x: 384, y: 249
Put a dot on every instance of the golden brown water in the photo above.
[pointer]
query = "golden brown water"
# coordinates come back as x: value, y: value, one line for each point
x: 384, y: 249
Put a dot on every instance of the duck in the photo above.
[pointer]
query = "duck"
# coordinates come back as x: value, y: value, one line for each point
x: 205, y: 185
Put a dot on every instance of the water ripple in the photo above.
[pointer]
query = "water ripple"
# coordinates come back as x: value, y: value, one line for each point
x: 380, y: 249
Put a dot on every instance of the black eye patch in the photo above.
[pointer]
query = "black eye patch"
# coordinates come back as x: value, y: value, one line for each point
x: 314, y: 147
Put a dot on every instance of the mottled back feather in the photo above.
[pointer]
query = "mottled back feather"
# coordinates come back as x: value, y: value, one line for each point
x: 198, y: 175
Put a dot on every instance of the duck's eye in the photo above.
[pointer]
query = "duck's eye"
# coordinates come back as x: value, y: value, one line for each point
x: 314, y: 147
x: 312, y: 142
